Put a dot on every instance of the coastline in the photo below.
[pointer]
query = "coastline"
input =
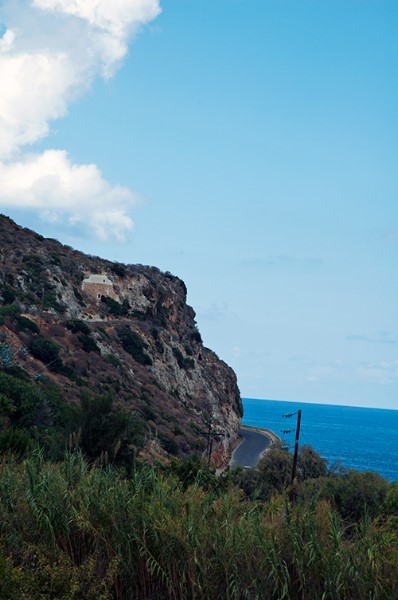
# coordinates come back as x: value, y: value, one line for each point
x: 267, y: 432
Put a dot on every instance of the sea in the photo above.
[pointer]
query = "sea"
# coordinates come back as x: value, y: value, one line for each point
x: 365, y: 439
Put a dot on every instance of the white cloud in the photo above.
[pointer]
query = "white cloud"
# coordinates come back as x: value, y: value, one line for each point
x: 319, y: 374
x: 36, y: 89
x: 7, y: 40
x: 110, y: 22
x: 117, y: 17
x: 56, y: 188
x: 379, y: 337
x: 50, y: 52
x: 382, y: 373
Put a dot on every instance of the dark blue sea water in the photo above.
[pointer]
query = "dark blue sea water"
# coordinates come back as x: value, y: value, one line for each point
x: 365, y: 439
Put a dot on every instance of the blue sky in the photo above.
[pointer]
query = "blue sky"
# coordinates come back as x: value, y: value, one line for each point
x: 252, y: 144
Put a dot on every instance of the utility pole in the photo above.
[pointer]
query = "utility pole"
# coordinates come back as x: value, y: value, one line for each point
x: 296, y: 445
x: 211, y: 436
x: 295, y: 456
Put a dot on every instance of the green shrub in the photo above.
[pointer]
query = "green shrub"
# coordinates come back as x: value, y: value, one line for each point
x: 10, y: 311
x: 25, y: 324
x: 88, y: 344
x: 33, y: 264
x: 196, y: 337
x: 391, y: 501
x: 310, y: 464
x: 179, y: 357
x: 47, y: 351
x: 119, y: 269
x: 104, y: 426
x: 32, y: 404
x: 77, y: 326
x: 189, y: 363
x: 9, y: 578
x: 169, y: 444
x: 8, y: 295
x: 55, y: 259
x: 15, y: 441
x: 50, y: 300
x: 183, y: 362
x: 79, y: 297
x: 156, y: 336
x: 114, y: 360
x: 134, y: 345
x: 115, y: 308
x: 19, y: 373
x: 356, y: 493
x: 73, y: 531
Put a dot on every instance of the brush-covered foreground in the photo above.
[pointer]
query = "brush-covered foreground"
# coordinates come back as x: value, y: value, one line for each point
x: 74, y: 531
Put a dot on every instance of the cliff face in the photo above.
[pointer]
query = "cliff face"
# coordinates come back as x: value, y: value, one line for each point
x: 124, y: 330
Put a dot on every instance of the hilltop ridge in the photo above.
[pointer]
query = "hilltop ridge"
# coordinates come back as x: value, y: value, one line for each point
x: 112, y: 335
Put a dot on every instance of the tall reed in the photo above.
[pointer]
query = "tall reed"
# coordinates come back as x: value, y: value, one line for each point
x: 70, y: 531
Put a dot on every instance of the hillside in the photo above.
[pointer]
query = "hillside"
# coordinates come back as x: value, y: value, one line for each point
x: 107, y: 354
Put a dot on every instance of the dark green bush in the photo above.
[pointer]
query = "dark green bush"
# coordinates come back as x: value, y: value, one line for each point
x: 79, y: 296
x: 134, y: 345
x: 119, y: 269
x: 196, y: 337
x: 179, y: 357
x: 47, y: 351
x: 158, y: 344
x: 25, y: 324
x: 50, y: 300
x: 33, y: 264
x: 8, y: 295
x: 183, y: 362
x: 32, y: 404
x: 356, y: 493
x: 169, y: 444
x: 104, y: 426
x: 55, y: 259
x: 77, y: 326
x: 88, y: 344
x: 114, y: 360
x: 18, y: 373
x: 15, y: 441
x: 310, y: 464
x: 115, y: 308
x: 85, y: 339
x: 10, y: 311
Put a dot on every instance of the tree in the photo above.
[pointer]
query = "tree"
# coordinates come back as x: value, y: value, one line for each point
x: 356, y: 493
x: 274, y: 472
x: 310, y: 464
x: 47, y: 351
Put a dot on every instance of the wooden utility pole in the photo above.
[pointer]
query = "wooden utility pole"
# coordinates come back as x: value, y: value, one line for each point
x: 211, y: 436
x: 296, y: 445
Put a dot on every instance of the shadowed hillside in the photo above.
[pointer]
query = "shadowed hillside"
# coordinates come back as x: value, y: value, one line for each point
x: 105, y: 355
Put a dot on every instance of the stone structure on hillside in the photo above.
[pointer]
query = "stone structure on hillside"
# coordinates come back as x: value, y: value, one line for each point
x: 97, y: 286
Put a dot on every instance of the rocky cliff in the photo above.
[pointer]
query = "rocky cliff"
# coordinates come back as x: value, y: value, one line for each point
x: 93, y: 328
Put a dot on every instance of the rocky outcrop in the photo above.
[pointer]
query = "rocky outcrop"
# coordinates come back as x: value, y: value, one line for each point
x: 139, y: 341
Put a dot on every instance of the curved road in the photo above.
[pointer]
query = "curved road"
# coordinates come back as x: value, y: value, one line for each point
x: 249, y: 451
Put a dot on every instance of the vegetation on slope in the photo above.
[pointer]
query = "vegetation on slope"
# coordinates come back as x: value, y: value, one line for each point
x: 141, y: 346
x: 71, y: 531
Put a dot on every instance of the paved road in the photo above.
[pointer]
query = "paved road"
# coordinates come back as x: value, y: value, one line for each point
x: 248, y: 453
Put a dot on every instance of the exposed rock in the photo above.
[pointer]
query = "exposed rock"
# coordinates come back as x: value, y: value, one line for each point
x: 141, y: 342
